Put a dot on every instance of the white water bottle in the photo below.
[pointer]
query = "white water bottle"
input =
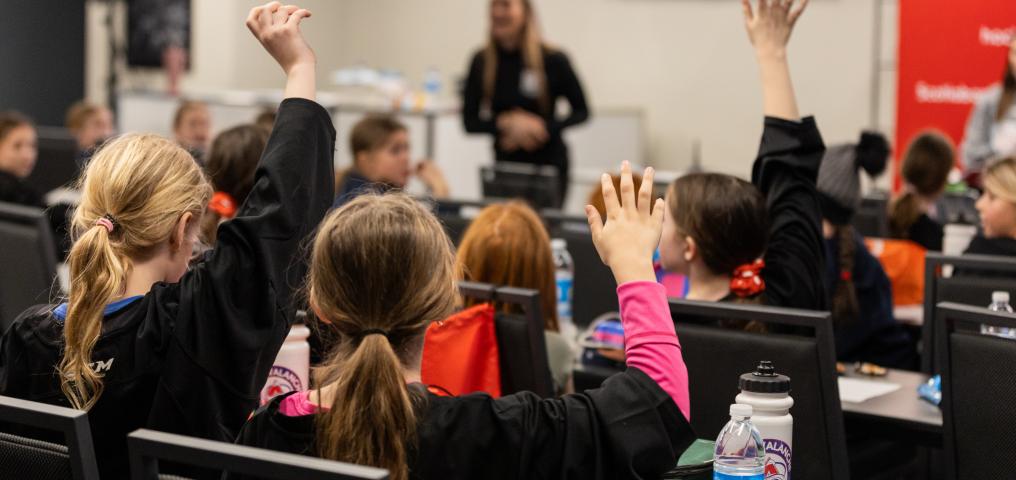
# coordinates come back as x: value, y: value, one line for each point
x: 768, y: 393
x: 564, y: 274
x: 999, y: 303
x: 291, y: 371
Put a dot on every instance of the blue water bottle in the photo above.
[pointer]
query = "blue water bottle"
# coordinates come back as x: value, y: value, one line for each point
x: 740, y: 453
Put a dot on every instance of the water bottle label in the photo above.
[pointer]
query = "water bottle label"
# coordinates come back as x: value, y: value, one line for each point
x: 280, y: 380
x: 778, y: 455
x: 726, y: 476
x: 564, y: 296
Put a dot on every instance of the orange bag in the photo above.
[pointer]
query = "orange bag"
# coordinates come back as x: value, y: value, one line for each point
x: 460, y: 354
x: 903, y: 262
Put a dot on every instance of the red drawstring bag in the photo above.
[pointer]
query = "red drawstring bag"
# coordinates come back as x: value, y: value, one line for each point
x: 460, y: 354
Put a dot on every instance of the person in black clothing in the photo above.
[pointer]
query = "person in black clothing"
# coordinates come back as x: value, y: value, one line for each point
x: 513, y: 87
x: 142, y: 341
x: 926, y: 166
x: 18, y: 152
x: 759, y: 241
x: 997, y: 207
x: 861, y: 294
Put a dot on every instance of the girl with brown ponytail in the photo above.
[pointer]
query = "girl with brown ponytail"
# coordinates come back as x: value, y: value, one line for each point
x: 382, y: 269
x: 144, y: 342
x: 861, y: 299
x: 926, y: 166
x: 513, y: 87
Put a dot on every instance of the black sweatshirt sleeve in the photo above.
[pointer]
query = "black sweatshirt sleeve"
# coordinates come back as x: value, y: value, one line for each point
x: 571, y: 88
x: 785, y: 171
x: 472, y: 97
x: 222, y: 325
x: 629, y: 428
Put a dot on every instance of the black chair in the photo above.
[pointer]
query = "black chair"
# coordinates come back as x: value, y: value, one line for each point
x: 457, y: 215
x: 872, y: 217
x: 594, y: 288
x: 146, y: 448
x: 28, y: 257
x: 978, y: 383
x: 55, y: 166
x: 536, y: 184
x: 520, y: 338
x: 717, y: 356
x: 28, y: 455
x: 975, y: 277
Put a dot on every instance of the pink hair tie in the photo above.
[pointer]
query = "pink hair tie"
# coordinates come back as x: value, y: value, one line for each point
x: 107, y: 222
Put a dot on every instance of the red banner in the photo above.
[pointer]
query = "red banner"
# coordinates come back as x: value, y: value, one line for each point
x: 949, y: 53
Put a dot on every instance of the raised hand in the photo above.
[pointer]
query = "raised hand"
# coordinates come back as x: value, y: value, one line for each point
x: 627, y: 241
x: 770, y: 25
x: 277, y: 27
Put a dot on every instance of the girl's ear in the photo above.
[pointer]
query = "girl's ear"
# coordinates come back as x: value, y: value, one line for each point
x: 180, y: 231
x: 691, y: 249
x: 317, y: 313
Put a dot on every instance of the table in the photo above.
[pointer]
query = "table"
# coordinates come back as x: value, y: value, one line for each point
x: 900, y: 414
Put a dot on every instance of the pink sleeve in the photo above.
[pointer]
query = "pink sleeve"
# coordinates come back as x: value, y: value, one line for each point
x: 650, y: 343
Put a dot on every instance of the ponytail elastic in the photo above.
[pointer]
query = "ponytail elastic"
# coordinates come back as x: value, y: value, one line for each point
x: 223, y: 204
x: 747, y: 280
x: 108, y: 222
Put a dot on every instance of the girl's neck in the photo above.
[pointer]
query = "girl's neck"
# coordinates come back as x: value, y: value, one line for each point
x: 707, y: 286
x: 326, y: 395
x: 141, y: 278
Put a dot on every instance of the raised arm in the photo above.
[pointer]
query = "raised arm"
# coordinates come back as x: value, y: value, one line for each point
x: 277, y: 27
x: 769, y: 27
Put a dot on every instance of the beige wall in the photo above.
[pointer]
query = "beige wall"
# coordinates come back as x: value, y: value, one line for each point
x: 686, y: 63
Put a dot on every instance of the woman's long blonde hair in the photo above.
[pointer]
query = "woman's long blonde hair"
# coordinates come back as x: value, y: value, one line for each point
x: 142, y: 184
x: 532, y: 47
x: 1000, y: 178
x: 381, y: 271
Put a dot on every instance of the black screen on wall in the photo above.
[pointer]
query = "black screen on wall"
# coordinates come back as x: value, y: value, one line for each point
x: 42, y: 57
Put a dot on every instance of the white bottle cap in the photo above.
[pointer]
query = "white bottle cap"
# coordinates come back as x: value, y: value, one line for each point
x: 558, y: 244
x: 999, y: 297
x: 740, y: 410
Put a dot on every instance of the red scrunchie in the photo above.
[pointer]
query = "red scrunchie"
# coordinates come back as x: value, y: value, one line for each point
x: 747, y: 280
x: 223, y: 204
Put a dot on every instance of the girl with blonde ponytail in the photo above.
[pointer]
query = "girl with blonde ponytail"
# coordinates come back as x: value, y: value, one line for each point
x: 382, y: 269
x: 147, y: 340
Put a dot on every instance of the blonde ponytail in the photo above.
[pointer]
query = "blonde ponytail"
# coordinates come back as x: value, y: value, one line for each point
x: 133, y: 192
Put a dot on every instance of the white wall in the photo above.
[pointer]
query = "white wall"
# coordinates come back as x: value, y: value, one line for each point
x: 686, y: 63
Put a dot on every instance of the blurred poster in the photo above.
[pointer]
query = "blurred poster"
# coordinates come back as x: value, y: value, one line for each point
x: 155, y: 26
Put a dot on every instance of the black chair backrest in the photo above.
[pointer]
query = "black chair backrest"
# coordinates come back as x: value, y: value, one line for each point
x: 28, y: 257
x: 975, y: 278
x: 978, y: 382
x: 55, y: 166
x: 594, y: 289
x: 521, y: 344
x: 872, y: 217
x: 536, y: 184
x: 716, y: 357
x: 146, y: 448
x: 23, y: 455
x: 457, y: 215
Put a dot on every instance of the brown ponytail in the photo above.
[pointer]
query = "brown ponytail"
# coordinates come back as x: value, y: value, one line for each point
x: 845, y: 308
x: 926, y: 165
x: 144, y: 183
x: 382, y: 269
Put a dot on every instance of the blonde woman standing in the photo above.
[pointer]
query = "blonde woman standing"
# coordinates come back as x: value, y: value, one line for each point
x: 513, y: 87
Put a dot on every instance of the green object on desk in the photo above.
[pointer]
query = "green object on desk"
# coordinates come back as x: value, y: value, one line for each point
x: 696, y: 462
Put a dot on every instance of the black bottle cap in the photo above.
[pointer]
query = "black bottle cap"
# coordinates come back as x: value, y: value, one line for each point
x: 764, y: 380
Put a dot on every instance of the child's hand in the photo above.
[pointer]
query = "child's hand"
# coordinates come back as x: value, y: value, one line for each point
x: 277, y: 27
x: 632, y: 233
x: 769, y: 26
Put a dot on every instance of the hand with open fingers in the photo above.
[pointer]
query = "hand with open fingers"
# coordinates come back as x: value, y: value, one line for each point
x: 770, y: 24
x: 629, y: 238
x: 277, y: 27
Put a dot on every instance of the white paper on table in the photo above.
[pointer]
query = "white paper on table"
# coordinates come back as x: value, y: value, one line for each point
x: 857, y: 390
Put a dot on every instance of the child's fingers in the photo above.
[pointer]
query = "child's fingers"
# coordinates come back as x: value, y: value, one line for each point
x: 796, y: 13
x: 646, y: 192
x: 595, y: 221
x: 265, y: 17
x: 627, y: 187
x: 295, y: 18
x: 657, y: 214
x: 609, y: 196
x: 281, y: 14
x: 252, y: 18
x: 748, y: 13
